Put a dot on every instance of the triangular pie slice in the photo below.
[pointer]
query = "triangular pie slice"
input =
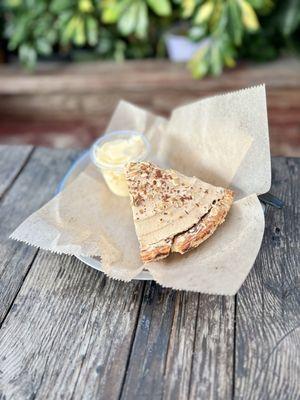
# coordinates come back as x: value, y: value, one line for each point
x: 173, y: 212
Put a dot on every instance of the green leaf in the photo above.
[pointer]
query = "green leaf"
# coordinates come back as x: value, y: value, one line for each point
x: 188, y: 7
x: 142, y: 21
x: 68, y: 31
x: 263, y: 6
x: 200, y: 69
x: 160, y: 7
x: 13, y: 3
x: 27, y: 55
x: 58, y: 6
x: 92, y: 31
x: 43, y: 47
x: 51, y: 36
x: 204, y: 12
x: 31, y: 4
x: 85, y: 6
x: 217, y: 21
x: 196, y: 33
x: 290, y: 17
x: 235, y: 26
x: 119, y: 53
x: 229, y: 61
x: 19, y: 33
x: 127, y: 22
x: 42, y: 25
x: 104, y: 46
x: 111, y: 11
x: 227, y: 50
x: 198, y: 64
x: 215, y: 59
x: 79, y: 37
x: 249, y: 17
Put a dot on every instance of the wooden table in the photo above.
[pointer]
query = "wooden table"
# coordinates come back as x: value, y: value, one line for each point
x: 69, y: 105
x: 69, y: 332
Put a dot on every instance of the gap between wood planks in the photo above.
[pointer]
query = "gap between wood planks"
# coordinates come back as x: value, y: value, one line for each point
x: 20, y: 287
x: 234, y: 347
x: 194, y: 346
x: 132, y: 341
x: 15, y: 177
x: 17, y: 167
x: 267, y: 342
x: 84, y: 357
x: 2, y: 196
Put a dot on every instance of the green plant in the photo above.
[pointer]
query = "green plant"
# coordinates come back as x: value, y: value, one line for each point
x: 224, y: 23
x: 227, y: 29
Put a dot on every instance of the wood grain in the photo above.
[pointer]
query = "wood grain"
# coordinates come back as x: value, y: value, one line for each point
x: 268, y: 305
x: 70, y: 105
x: 212, y: 372
x: 149, y: 352
x: 12, y: 160
x: 140, y: 75
x: 32, y: 188
x: 183, y: 347
x: 68, y: 334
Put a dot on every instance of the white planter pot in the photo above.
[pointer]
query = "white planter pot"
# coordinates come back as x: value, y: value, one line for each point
x: 181, y: 48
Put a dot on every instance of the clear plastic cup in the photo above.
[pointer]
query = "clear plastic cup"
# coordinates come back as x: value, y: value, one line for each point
x: 113, y: 151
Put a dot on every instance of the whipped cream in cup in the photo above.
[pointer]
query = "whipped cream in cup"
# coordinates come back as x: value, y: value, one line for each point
x: 113, y: 151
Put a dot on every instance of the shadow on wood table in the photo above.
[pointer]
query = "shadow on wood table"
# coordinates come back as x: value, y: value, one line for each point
x: 67, y: 331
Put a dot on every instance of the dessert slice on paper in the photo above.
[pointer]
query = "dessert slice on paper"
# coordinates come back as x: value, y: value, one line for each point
x: 173, y: 212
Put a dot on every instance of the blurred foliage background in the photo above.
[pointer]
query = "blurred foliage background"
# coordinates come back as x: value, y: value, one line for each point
x: 120, y: 29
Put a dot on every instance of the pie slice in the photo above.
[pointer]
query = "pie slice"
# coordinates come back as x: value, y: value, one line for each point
x: 173, y: 212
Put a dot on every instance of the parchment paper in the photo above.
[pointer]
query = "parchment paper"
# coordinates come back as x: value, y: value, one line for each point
x: 223, y: 140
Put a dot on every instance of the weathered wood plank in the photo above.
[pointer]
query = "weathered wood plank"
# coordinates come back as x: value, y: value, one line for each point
x: 268, y: 304
x: 199, y: 364
x: 12, y: 160
x: 139, y: 75
x: 145, y: 373
x: 183, y: 347
x: 212, y: 371
x: 33, y: 187
x: 68, y: 334
x: 72, y: 333
x: 70, y: 105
